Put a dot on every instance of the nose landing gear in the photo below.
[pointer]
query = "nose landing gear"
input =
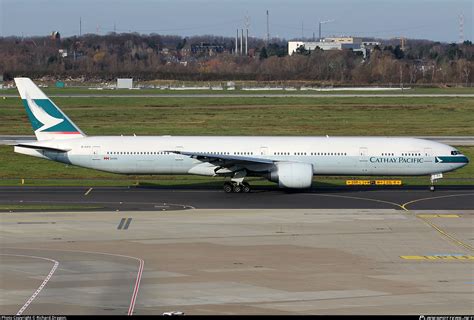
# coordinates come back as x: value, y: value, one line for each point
x: 434, y: 177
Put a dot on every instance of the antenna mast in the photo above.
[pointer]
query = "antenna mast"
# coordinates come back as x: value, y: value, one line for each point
x: 247, y: 25
x: 461, y: 28
x: 320, y: 23
x: 302, y: 29
x: 268, y: 28
x: 237, y: 43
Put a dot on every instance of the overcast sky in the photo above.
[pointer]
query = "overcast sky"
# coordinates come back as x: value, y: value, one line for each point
x: 423, y: 19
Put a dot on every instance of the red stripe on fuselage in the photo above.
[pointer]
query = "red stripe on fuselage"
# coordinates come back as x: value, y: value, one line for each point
x: 69, y: 132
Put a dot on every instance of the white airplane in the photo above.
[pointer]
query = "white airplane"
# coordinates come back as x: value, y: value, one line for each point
x: 289, y: 161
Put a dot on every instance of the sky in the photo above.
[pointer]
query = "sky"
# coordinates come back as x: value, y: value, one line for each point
x: 436, y: 20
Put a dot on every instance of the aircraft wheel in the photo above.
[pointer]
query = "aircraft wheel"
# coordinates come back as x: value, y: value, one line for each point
x: 237, y: 188
x: 228, y: 187
x: 245, y: 187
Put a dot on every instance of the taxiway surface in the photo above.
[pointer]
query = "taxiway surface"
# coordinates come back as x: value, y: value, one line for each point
x: 228, y: 261
x: 202, y: 251
x: 138, y: 198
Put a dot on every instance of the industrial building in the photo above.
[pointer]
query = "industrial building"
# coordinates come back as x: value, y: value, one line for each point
x: 334, y: 43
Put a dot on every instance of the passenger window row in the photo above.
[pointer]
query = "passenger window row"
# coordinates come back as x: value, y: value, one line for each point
x: 228, y: 153
x: 136, y: 152
x: 243, y: 153
x: 312, y: 153
x: 412, y: 154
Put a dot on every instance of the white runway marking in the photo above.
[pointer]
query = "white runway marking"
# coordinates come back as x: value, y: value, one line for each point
x: 137, y: 286
x: 88, y: 191
x: 137, y: 280
x: 40, y: 288
x: 99, y: 202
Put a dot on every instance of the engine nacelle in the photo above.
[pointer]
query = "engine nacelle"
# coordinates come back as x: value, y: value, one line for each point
x: 292, y: 175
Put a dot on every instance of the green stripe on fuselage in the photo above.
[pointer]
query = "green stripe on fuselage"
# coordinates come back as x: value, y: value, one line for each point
x: 455, y: 159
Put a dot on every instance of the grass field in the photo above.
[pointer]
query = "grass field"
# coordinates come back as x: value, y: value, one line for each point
x: 257, y: 116
x: 408, y: 116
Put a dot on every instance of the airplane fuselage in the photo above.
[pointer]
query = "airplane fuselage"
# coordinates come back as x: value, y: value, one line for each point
x: 327, y: 155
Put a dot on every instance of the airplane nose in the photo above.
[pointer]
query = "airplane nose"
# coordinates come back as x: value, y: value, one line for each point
x: 463, y: 161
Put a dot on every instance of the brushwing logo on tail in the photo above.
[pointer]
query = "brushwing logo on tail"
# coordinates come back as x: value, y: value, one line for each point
x: 47, y: 120
x: 42, y: 116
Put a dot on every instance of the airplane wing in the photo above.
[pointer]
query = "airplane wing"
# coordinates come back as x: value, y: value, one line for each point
x: 208, y: 157
x: 46, y: 148
x: 229, y: 161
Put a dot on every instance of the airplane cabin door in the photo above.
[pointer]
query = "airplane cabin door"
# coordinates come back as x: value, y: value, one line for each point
x: 178, y: 157
x: 96, y: 153
x: 428, y: 154
x: 364, y: 159
x: 178, y: 164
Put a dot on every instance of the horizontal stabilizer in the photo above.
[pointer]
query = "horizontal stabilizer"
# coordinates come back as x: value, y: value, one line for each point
x: 39, y: 147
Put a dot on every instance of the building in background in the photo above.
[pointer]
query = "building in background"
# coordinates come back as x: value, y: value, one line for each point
x: 347, y: 40
x: 62, y: 53
x: 56, y: 38
x: 60, y: 84
x: 1, y: 81
x: 207, y: 48
x: 334, y: 43
x: 124, y: 83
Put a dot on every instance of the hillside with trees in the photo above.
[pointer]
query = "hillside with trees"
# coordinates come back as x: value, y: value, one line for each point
x: 148, y: 57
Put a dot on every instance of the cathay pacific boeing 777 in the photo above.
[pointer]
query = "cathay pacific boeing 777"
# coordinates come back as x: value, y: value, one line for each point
x: 289, y: 161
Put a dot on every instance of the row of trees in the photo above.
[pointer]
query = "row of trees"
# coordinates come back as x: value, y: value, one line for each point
x: 169, y: 57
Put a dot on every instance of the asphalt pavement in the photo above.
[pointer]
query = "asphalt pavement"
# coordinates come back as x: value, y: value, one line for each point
x: 170, y: 199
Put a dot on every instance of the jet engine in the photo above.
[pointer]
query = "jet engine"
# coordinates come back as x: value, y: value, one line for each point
x: 292, y: 175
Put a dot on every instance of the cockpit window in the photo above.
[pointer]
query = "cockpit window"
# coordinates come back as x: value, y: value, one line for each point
x: 455, y: 152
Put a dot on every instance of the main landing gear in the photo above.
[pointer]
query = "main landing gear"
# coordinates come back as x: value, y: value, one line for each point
x: 236, y: 187
x: 237, y: 184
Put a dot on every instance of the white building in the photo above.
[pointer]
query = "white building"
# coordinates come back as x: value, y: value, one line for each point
x: 341, y: 43
x: 124, y: 83
x: 293, y: 45
x: 343, y: 40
